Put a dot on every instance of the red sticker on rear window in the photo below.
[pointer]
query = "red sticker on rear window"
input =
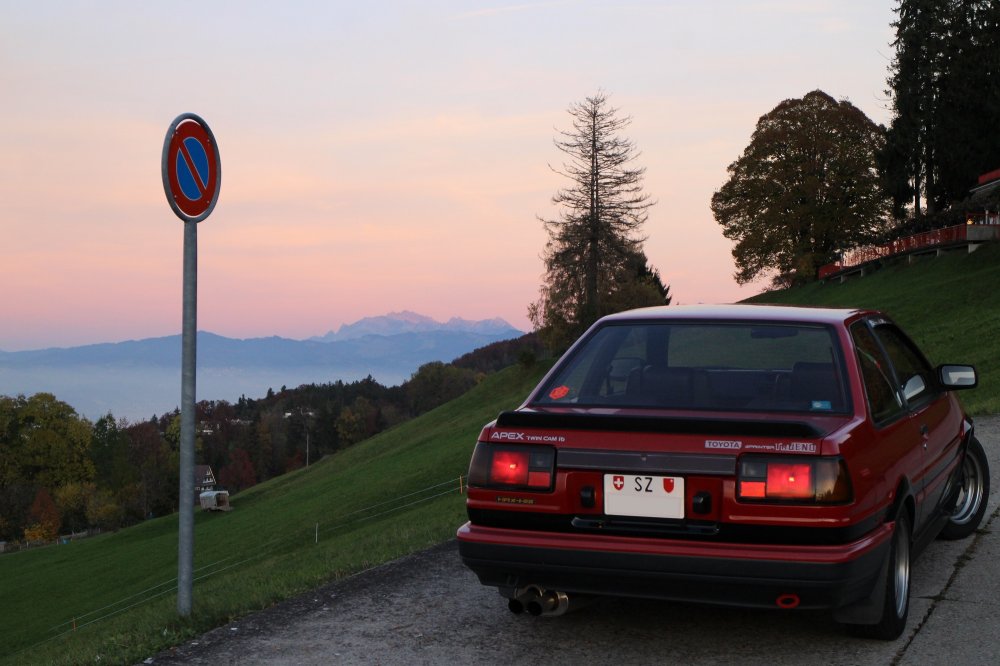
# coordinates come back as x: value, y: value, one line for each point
x: 559, y: 392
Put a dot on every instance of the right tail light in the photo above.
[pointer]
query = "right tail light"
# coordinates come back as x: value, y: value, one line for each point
x: 793, y: 479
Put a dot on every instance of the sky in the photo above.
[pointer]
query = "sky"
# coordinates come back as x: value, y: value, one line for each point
x: 376, y: 156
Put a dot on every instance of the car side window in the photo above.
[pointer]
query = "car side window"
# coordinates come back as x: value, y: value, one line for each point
x: 880, y: 387
x: 915, y: 375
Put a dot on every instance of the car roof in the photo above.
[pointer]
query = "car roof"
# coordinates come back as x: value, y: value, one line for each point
x: 742, y: 312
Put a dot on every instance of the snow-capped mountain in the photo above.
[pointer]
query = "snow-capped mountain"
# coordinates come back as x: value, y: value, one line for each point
x: 406, y: 321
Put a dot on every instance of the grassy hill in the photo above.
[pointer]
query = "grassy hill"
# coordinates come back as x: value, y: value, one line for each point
x: 949, y: 305
x: 113, y: 596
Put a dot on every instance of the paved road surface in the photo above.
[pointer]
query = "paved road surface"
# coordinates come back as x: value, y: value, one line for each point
x: 428, y: 609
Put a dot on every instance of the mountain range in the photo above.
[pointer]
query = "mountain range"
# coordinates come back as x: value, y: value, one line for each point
x: 406, y: 321
x: 139, y: 378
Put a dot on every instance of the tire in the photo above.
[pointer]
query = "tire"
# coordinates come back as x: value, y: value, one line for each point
x: 970, y: 505
x: 896, y: 600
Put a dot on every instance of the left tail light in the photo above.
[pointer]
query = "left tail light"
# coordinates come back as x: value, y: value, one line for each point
x: 512, y: 467
x: 793, y: 479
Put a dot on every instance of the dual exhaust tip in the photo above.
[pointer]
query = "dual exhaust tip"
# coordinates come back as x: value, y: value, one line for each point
x: 538, y: 602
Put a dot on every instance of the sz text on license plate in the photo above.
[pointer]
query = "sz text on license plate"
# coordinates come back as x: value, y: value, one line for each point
x: 643, y: 495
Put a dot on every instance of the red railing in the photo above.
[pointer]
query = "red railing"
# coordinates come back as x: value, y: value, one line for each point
x: 864, y: 255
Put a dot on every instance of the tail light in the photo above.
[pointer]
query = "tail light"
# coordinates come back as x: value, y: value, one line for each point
x: 512, y: 467
x: 785, y: 479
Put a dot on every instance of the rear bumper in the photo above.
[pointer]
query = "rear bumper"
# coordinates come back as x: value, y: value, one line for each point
x: 731, y: 574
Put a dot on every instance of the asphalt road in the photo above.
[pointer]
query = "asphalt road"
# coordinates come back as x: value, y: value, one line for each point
x: 428, y: 609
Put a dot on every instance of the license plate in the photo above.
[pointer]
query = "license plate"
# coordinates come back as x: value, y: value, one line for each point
x: 644, y: 496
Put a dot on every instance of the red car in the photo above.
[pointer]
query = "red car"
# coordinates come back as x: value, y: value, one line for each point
x: 753, y: 456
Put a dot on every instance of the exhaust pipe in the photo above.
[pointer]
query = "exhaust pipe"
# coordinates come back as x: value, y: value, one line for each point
x: 787, y: 601
x: 549, y: 603
x: 523, y: 597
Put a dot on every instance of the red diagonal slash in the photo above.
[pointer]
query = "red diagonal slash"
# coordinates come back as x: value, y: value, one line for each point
x: 183, y: 152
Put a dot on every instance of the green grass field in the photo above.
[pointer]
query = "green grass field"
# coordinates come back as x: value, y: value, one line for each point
x: 949, y: 305
x: 393, y: 494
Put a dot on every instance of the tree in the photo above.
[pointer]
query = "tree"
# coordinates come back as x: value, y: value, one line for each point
x: 72, y: 500
x: 357, y: 421
x: 43, y: 442
x: 945, y: 96
x: 349, y: 427
x: 157, y: 466
x: 239, y: 473
x: 436, y: 383
x: 920, y: 32
x: 804, y: 190
x: 109, y: 452
x: 967, y: 137
x: 43, y: 518
x: 596, y: 235
x: 639, y: 285
x: 103, y: 511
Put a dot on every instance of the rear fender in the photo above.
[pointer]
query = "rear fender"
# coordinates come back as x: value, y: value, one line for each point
x: 869, y: 610
x: 904, y: 497
x: 954, y: 484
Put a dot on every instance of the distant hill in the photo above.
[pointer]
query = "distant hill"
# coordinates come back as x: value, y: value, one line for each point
x: 139, y: 378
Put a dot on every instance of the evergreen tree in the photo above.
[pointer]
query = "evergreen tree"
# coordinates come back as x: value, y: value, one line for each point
x: 596, y: 238
x: 945, y: 95
x: 967, y: 140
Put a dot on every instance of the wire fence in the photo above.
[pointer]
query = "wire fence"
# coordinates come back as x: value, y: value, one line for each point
x: 268, y: 548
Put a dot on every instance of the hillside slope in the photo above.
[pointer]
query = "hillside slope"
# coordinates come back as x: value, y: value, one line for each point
x: 112, y: 598
x: 950, y: 306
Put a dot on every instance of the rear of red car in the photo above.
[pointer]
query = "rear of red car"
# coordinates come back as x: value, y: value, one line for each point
x: 721, y: 455
x: 671, y: 511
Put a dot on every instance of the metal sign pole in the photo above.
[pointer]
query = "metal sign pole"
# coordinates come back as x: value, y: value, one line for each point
x: 192, y: 175
x: 189, y: 346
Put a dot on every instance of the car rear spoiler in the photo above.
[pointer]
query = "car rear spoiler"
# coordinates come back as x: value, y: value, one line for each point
x: 666, y: 425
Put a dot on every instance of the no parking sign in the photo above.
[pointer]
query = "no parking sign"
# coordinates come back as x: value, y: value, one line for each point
x: 191, y: 169
x: 192, y: 174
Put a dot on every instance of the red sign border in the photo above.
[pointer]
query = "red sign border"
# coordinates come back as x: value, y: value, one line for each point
x: 184, y: 126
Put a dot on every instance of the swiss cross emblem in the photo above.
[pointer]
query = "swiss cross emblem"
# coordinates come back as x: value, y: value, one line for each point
x: 668, y: 485
x: 619, y: 482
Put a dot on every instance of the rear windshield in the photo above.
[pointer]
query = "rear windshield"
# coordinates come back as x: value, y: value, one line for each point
x: 703, y: 366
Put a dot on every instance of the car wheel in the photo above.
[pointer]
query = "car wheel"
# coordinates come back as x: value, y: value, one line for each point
x: 896, y: 601
x: 970, y: 506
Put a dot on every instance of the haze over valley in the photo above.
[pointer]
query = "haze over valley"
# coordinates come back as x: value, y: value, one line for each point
x: 136, y: 379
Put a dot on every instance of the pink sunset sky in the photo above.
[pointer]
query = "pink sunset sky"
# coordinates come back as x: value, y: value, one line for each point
x: 376, y: 156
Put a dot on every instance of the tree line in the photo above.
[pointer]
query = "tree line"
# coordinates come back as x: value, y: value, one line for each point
x: 945, y: 90
x: 60, y: 473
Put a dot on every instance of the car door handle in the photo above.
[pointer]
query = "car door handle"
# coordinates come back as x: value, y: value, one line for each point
x: 924, y: 430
